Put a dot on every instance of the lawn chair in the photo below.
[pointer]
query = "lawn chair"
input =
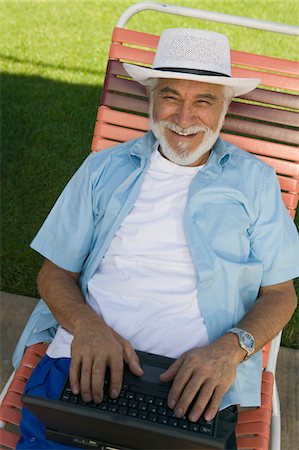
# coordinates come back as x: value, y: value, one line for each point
x: 263, y: 122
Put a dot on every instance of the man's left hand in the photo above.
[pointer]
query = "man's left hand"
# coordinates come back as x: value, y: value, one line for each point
x: 202, y: 376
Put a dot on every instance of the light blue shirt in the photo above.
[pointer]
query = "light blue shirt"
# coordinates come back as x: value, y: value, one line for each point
x: 239, y: 232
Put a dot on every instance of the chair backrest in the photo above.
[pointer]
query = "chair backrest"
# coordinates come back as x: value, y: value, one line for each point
x: 264, y: 122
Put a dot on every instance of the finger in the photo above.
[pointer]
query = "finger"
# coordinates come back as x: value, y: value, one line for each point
x: 74, y: 374
x: 172, y: 370
x: 85, y: 380
x: 97, y: 379
x: 203, y: 398
x: 116, y: 374
x: 131, y: 358
x: 181, y: 379
x: 188, y: 394
x: 214, y: 404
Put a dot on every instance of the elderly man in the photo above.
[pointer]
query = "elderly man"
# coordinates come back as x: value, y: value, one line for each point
x: 176, y: 243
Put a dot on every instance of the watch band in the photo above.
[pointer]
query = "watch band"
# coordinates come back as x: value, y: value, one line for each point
x: 246, y: 340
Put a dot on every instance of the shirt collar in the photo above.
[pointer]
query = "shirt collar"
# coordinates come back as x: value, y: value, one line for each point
x: 142, y: 148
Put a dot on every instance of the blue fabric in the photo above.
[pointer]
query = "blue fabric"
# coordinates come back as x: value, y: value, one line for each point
x: 46, y: 381
x: 239, y: 232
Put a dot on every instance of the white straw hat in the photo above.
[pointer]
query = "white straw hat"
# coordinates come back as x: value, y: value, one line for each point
x: 192, y: 54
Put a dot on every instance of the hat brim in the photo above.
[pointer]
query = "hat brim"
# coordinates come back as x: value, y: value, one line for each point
x: 146, y: 76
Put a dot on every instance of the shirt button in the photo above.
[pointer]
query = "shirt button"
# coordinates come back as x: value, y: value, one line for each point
x: 32, y: 439
x: 35, y: 330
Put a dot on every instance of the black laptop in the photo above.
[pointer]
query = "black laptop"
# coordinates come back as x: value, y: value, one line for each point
x: 138, y: 419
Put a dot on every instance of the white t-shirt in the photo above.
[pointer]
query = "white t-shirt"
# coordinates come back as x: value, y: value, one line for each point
x: 146, y: 286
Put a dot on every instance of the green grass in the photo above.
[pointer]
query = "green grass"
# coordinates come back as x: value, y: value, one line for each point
x: 53, y: 62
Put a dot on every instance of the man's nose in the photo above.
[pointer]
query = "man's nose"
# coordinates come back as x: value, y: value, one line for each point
x: 185, y: 115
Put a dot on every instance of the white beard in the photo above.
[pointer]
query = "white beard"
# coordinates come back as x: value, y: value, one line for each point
x: 182, y: 156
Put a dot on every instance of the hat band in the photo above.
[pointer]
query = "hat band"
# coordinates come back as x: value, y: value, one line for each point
x: 192, y: 71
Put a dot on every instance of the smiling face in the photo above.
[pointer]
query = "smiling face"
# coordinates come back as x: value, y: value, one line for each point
x: 186, y: 117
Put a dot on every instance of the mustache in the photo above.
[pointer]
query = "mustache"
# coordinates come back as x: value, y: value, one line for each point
x: 193, y: 129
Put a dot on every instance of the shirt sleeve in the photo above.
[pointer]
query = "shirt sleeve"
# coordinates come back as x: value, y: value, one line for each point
x: 274, y: 237
x: 66, y: 234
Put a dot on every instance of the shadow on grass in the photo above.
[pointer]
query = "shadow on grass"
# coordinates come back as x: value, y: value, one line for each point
x: 47, y: 128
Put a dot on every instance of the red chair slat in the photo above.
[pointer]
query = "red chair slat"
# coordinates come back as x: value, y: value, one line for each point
x: 253, y: 428
x: 255, y: 415
x: 260, y: 147
x: 290, y: 200
x: 123, y: 119
x: 135, y: 37
x: 254, y: 442
x: 265, y: 114
x: 267, y: 388
x: 265, y: 62
x: 30, y: 359
x: 268, y: 79
x: 10, y: 415
x: 17, y: 385
x: 283, y: 167
x: 272, y: 98
x: 8, y: 439
x: 125, y: 103
x: 99, y: 143
x: 122, y: 134
x: 266, y: 401
x: 125, y: 86
x: 38, y: 349
x: 261, y: 130
x: 23, y: 372
x: 13, y: 399
x: 131, y: 55
x: 115, y: 68
x: 267, y: 377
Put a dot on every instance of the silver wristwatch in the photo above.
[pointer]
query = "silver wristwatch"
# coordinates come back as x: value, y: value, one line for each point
x: 246, y: 340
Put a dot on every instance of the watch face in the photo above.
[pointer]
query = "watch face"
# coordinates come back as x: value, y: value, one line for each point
x: 248, y: 341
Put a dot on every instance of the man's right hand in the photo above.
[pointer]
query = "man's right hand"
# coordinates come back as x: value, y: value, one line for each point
x: 94, y: 348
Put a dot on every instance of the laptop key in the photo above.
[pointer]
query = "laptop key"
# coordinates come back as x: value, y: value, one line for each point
x: 133, y: 412
x: 143, y: 415
x: 123, y: 409
x: 74, y: 398
x: 142, y: 406
x: 65, y: 397
x: 153, y: 409
x: 159, y: 401
x: 162, y: 411
x: 140, y: 397
x: 133, y: 403
x: 163, y: 420
x: 103, y: 406
x: 173, y: 422
x: 194, y: 427
x: 205, y: 430
x: 153, y: 417
x: 149, y: 399
x: 183, y: 424
x: 112, y: 408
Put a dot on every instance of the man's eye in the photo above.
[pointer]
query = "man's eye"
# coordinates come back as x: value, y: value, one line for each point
x: 203, y: 102
x: 170, y: 97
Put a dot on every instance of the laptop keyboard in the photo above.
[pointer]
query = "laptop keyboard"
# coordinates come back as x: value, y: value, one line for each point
x: 143, y: 407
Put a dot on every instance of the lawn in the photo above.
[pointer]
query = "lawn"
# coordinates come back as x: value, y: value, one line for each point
x: 53, y: 63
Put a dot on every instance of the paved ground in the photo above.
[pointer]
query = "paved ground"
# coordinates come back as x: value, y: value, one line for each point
x: 16, y: 309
